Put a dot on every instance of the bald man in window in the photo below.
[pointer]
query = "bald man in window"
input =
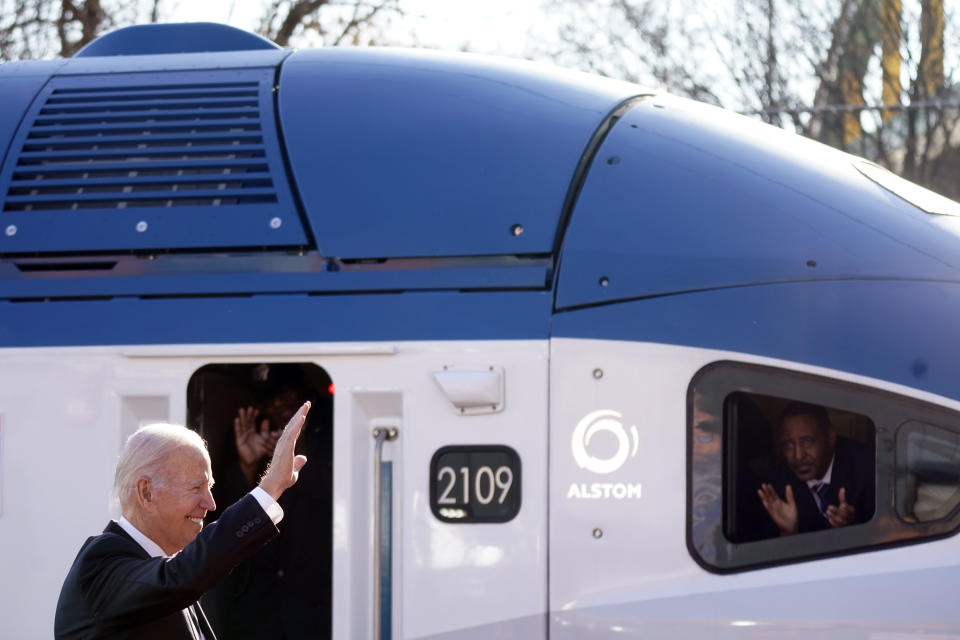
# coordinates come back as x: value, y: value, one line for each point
x: 141, y: 578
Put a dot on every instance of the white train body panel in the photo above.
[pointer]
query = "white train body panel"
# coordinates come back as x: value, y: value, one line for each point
x: 93, y: 398
x: 637, y: 579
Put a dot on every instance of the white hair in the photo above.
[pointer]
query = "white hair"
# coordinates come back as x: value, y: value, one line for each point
x: 145, y: 454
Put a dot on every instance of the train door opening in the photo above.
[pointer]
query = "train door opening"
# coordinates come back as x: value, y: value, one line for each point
x: 284, y: 590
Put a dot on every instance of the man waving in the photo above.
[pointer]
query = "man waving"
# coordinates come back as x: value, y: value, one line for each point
x: 142, y: 577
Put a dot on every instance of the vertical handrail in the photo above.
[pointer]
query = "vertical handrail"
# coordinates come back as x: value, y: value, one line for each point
x: 380, y: 434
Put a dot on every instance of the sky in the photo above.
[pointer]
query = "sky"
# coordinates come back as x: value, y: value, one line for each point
x: 485, y: 26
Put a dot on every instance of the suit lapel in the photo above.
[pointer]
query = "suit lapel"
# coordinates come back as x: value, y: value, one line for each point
x: 193, y: 619
x: 842, y: 477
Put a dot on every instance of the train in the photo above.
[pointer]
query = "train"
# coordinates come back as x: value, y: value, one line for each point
x: 554, y: 320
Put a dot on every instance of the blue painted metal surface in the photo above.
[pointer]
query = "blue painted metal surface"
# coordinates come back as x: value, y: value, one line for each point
x: 276, y: 318
x: 903, y: 332
x: 171, y: 160
x: 19, y: 83
x: 684, y: 197
x: 415, y: 153
x: 153, y: 39
x: 414, y: 156
x: 218, y: 275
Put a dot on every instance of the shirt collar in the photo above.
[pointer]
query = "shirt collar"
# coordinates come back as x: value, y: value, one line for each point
x: 148, y: 545
x: 826, y: 476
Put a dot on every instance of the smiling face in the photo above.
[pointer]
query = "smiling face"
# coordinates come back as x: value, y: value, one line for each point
x: 179, y: 500
x: 807, y: 449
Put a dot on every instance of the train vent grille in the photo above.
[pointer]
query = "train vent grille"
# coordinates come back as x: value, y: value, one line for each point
x: 198, y: 145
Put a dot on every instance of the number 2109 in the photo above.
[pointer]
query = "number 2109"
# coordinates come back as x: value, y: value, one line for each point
x: 475, y: 483
x: 486, y: 483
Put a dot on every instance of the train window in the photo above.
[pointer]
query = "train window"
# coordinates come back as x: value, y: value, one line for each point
x: 239, y: 409
x: 928, y: 472
x: 785, y: 466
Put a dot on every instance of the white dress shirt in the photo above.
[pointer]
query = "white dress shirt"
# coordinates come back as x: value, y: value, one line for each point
x: 825, y: 479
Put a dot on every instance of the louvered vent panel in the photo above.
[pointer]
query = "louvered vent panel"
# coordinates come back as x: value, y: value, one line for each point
x: 144, y: 147
x: 207, y: 146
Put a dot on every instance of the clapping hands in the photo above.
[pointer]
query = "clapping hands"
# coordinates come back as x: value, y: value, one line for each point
x: 842, y: 514
x: 782, y: 512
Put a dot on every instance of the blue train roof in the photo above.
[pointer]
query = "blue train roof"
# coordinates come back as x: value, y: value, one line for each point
x: 394, y: 153
x: 196, y: 159
x: 687, y: 197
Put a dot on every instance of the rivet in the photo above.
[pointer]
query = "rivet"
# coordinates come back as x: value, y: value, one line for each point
x: 811, y: 263
x: 598, y: 373
x: 604, y: 281
x: 612, y: 160
x: 517, y: 230
x: 142, y: 226
x: 598, y: 533
x: 12, y: 230
x: 275, y: 223
x: 919, y: 368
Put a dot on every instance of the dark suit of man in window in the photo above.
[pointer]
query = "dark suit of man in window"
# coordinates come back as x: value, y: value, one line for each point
x: 141, y: 578
x: 825, y: 480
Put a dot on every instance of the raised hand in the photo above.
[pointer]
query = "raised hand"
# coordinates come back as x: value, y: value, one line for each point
x: 842, y: 514
x: 285, y: 467
x: 782, y: 512
x: 253, y: 443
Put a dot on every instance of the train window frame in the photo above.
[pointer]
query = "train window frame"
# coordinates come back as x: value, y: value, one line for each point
x: 302, y: 552
x: 904, y: 489
x: 216, y: 392
x: 708, y: 466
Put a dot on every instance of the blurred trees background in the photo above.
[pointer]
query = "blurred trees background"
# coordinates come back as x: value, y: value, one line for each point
x: 867, y: 76
x: 31, y: 29
x: 332, y: 22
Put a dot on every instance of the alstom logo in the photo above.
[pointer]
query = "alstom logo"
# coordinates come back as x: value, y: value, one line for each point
x: 608, y: 421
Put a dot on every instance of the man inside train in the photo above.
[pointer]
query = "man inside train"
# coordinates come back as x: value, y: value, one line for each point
x: 822, y: 480
x: 283, y: 592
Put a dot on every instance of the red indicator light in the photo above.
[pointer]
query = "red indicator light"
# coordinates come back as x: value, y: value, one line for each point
x: 330, y: 389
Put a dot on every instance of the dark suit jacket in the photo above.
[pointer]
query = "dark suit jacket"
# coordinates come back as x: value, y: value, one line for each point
x: 116, y: 590
x: 853, y: 470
